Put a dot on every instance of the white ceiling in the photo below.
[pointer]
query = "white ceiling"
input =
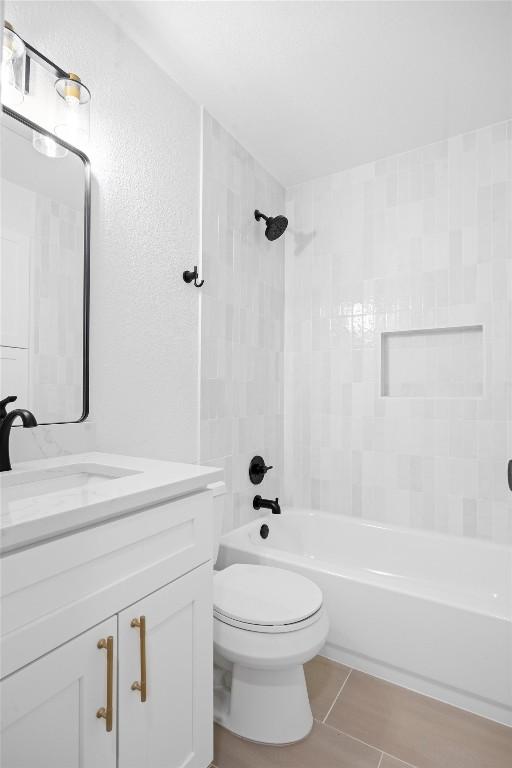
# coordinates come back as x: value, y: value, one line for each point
x: 310, y: 88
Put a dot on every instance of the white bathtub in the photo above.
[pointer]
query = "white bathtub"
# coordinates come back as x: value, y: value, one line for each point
x: 430, y: 612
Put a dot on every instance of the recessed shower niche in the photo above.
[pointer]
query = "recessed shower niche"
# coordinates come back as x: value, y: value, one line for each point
x: 433, y: 362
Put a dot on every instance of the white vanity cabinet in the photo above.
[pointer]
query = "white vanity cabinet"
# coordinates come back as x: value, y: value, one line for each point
x: 106, y: 636
x: 71, y: 709
x: 49, y: 708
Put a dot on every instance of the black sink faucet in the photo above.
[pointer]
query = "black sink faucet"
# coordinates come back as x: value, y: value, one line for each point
x: 259, y: 503
x: 6, y: 419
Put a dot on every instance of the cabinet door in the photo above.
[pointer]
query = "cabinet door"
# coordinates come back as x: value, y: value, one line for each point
x: 172, y: 728
x: 49, y: 707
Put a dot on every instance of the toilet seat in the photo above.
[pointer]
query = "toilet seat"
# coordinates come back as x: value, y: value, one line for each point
x: 260, y: 598
x: 268, y: 622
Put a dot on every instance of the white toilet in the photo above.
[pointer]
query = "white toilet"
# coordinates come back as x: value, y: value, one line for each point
x: 267, y: 623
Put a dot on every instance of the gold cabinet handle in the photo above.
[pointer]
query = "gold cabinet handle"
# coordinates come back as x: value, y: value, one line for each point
x: 108, y: 712
x: 141, y: 685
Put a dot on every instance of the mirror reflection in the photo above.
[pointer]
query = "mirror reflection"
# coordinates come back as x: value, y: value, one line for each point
x: 43, y: 263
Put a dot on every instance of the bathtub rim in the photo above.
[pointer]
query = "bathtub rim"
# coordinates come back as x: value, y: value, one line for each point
x: 473, y: 541
x: 234, y: 539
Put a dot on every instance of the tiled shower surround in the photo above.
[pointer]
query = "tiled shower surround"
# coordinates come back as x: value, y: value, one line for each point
x: 242, y: 321
x: 420, y: 241
x: 417, y: 243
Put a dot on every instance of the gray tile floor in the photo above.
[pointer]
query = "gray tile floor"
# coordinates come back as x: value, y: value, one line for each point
x: 364, y: 722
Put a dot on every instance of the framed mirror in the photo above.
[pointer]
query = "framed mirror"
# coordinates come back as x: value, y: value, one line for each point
x: 44, y: 272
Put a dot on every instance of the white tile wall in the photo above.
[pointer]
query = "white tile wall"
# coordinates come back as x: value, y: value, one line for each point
x: 417, y: 241
x: 242, y: 321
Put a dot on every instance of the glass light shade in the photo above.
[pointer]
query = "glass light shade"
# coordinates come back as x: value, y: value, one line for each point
x: 47, y: 146
x: 13, y: 67
x: 73, y: 114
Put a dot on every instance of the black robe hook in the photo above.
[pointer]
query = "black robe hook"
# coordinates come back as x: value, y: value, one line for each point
x: 188, y: 276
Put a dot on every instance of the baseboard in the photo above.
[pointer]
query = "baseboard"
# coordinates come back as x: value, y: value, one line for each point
x: 457, y: 698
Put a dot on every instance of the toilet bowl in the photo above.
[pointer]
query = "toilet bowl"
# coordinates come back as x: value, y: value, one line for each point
x: 267, y: 623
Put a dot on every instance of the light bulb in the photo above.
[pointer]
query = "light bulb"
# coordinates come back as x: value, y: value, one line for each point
x: 71, y: 93
x: 73, y: 119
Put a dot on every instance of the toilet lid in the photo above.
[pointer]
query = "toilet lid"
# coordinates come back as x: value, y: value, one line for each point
x: 265, y: 596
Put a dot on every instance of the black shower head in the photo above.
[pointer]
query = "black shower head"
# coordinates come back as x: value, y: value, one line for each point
x: 275, y: 225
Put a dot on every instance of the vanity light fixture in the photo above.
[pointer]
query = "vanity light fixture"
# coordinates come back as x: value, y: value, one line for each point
x: 13, y: 67
x: 69, y: 112
x: 73, y: 121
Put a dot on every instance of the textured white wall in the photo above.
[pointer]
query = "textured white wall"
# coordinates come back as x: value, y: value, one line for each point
x: 242, y: 329
x: 414, y: 241
x: 145, y: 142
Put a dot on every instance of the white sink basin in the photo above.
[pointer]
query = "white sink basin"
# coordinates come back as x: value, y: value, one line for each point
x: 24, y: 485
x: 46, y: 498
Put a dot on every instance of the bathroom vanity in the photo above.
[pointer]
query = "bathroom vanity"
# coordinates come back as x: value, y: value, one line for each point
x: 106, y: 634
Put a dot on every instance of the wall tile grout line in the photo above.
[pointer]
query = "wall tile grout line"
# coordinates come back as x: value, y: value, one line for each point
x: 337, y: 697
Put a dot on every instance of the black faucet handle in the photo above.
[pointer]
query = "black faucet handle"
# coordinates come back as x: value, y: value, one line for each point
x: 258, y: 469
x: 4, y: 402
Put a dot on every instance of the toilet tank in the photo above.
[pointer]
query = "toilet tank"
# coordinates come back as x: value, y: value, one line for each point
x: 218, y: 491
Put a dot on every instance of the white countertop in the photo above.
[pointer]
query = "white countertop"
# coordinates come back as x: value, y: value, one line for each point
x: 98, y: 492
